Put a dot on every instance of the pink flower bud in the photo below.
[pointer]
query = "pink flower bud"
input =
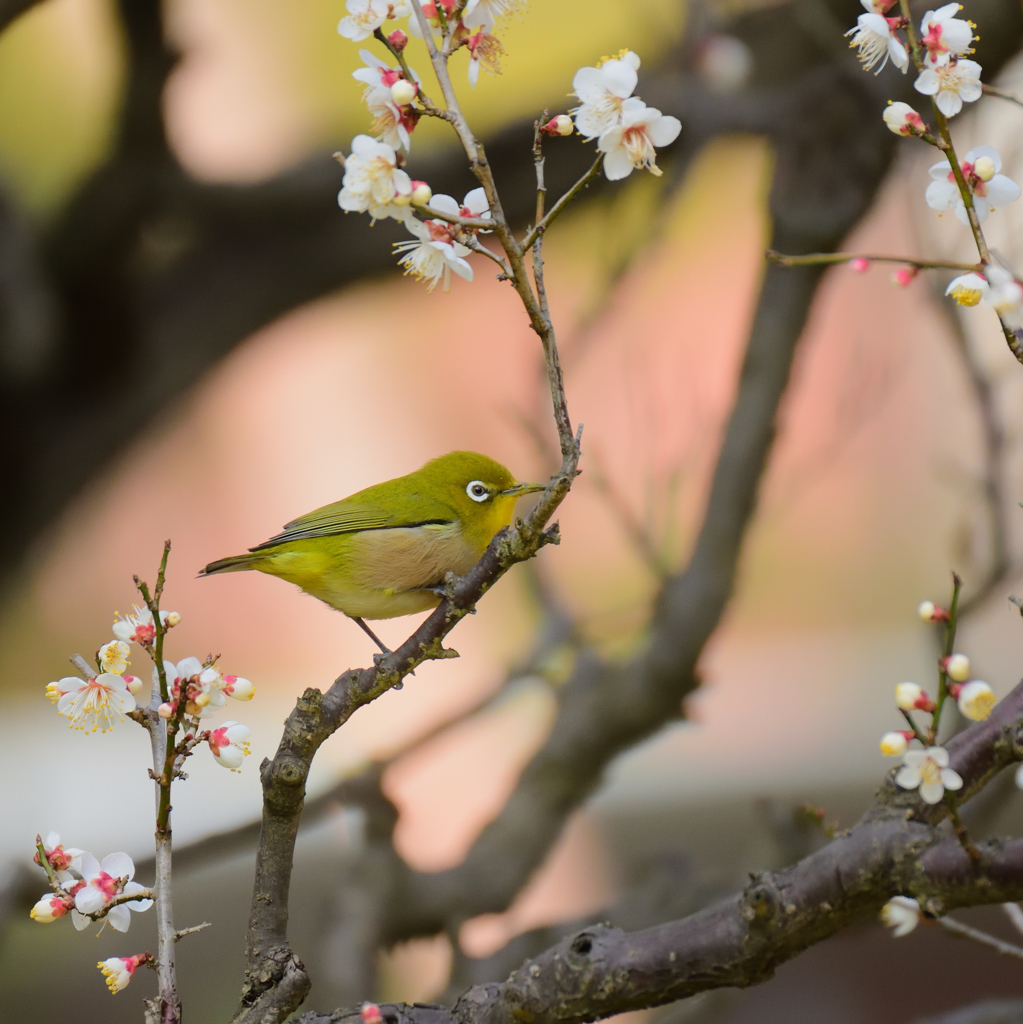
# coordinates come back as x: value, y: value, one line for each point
x: 165, y: 710
x: 859, y: 265
x: 398, y: 40
x: 133, y: 683
x: 902, y: 277
x: 371, y: 1014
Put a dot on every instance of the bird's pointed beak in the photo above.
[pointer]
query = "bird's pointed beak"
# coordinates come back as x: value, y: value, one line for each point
x: 517, y: 490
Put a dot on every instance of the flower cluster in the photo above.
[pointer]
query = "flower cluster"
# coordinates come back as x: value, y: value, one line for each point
x: 445, y: 231
x: 91, y: 890
x: 626, y: 129
x: 195, y: 689
x: 972, y: 187
x: 926, y: 768
x: 473, y: 28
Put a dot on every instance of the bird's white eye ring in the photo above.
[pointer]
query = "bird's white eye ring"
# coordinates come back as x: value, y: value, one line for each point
x: 477, y: 490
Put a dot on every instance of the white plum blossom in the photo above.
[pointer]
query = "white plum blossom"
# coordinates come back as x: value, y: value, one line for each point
x: 373, y: 182
x: 601, y: 91
x: 51, y: 906
x: 364, y: 17
x: 975, y: 700
x: 118, y: 970
x: 942, y: 34
x: 437, y: 251
x: 91, y: 704
x: 103, y: 882
x: 113, y: 657
x: 138, y: 627
x: 967, y: 289
x: 901, y: 914
x: 631, y: 144
x: 875, y: 41
x: 951, y: 85
x: 1005, y: 297
x: 928, y: 770
x: 902, y: 119
x: 485, y: 13
x: 990, y: 189
x: 229, y: 744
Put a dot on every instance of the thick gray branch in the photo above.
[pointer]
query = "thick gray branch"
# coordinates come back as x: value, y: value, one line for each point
x: 900, y: 846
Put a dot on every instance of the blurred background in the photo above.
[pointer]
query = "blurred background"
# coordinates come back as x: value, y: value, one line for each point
x: 896, y: 461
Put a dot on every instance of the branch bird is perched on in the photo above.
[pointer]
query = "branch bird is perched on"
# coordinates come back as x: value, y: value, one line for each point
x: 386, y: 550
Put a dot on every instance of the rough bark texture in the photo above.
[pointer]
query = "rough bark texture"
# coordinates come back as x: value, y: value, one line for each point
x: 901, y: 845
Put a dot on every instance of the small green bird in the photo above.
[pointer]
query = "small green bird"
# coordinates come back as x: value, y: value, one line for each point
x: 386, y: 550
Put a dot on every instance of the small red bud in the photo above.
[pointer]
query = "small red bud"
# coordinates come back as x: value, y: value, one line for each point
x: 371, y: 1014
x: 398, y: 40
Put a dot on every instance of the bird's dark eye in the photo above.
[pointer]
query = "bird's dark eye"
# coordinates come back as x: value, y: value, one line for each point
x: 477, y: 490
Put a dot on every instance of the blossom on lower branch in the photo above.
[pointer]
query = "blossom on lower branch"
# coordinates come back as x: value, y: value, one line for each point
x: 103, y: 882
x: 901, y: 914
x: 119, y: 970
x: 980, y: 169
x: 928, y: 771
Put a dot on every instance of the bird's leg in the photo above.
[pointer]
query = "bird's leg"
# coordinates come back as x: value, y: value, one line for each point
x: 370, y: 633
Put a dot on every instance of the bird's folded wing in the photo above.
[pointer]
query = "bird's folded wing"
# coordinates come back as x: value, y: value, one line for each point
x: 343, y: 517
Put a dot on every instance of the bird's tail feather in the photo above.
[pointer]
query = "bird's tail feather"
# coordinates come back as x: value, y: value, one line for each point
x: 236, y: 563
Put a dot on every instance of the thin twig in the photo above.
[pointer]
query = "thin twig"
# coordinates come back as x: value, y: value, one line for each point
x: 1001, y: 94
x: 191, y: 931
x: 966, y: 932
x: 827, y: 258
x: 560, y: 205
x: 1015, y: 915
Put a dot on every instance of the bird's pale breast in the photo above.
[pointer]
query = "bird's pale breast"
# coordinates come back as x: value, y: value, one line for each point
x: 377, y: 574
